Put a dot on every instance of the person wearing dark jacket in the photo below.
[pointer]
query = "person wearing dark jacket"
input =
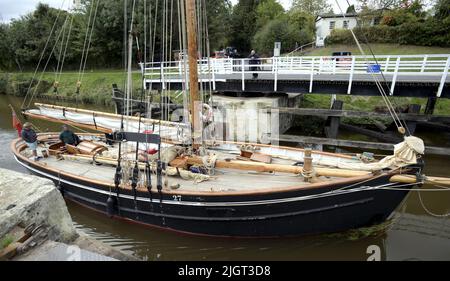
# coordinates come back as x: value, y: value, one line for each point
x: 254, y: 60
x: 29, y: 136
x: 68, y: 137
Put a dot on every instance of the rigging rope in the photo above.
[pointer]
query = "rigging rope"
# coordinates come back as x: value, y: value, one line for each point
x: 45, y: 68
x: 42, y: 57
x: 391, y: 109
x: 82, y: 71
x: 66, y: 47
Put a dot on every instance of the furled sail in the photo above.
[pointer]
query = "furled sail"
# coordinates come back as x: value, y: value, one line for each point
x: 110, y: 123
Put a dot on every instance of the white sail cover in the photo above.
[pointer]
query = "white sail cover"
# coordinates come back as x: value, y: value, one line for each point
x: 177, y: 132
x: 405, y: 153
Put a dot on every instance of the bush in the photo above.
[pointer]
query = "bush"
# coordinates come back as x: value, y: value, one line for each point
x: 3, y: 83
x: 280, y: 30
x: 428, y: 33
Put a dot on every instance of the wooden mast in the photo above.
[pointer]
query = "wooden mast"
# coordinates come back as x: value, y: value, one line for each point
x: 191, y: 20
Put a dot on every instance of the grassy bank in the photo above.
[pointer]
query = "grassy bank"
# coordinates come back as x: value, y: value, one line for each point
x: 96, y: 85
x: 379, y: 49
x: 369, y: 103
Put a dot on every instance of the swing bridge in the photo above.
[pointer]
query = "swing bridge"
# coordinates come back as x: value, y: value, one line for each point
x: 424, y: 76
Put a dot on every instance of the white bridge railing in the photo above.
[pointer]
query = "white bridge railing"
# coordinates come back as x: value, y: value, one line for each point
x: 350, y: 68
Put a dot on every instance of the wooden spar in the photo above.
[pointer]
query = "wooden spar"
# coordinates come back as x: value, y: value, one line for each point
x: 357, y: 144
x: 241, y: 165
x: 261, y: 167
x: 74, y: 124
x: 307, y: 166
x: 193, y: 70
x: 170, y: 171
x: 111, y: 115
x: 413, y: 179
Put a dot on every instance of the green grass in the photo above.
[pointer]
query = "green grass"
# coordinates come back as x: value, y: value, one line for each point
x: 6, y: 241
x: 379, y: 49
x: 370, y: 103
x: 96, y: 85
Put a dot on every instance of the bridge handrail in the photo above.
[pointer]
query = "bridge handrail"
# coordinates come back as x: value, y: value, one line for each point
x: 392, y: 65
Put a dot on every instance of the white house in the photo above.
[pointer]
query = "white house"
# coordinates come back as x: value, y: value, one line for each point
x: 326, y: 23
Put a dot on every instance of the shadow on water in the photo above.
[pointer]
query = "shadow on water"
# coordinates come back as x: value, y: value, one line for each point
x: 412, y: 233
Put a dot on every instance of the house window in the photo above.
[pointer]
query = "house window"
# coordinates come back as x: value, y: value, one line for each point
x: 345, y: 25
x: 332, y: 25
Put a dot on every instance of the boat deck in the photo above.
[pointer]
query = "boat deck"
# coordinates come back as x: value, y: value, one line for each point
x: 223, y: 180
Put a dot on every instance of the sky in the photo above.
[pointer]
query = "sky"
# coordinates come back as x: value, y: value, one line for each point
x: 15, y: 8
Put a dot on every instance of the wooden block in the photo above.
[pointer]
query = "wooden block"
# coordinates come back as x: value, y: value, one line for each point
x: 180, y: 162
x: 263, y: 158
x: 246, y: 154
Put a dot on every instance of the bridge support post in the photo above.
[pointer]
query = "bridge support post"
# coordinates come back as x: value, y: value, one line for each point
x: 412, y: 125
x: 332, y: 127
x: 431, y: 104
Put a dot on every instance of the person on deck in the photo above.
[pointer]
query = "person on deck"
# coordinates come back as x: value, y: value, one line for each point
x: 254, y: 60
x: 69, y: 137
x: 30, y: 138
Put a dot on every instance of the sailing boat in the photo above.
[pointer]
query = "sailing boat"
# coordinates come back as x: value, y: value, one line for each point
x: 172, y: 181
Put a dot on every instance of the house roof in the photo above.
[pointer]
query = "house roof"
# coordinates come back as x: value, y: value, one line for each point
x: 347, y: 15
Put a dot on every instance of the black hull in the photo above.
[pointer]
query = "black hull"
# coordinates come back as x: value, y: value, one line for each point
x: 300, y: 212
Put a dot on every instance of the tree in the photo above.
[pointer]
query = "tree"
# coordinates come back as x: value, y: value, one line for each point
x: 243, y: 24
x: 314, y: 7
x: 28, y: 35
x: 442, y: 9
x: 6, y: 61
x: 351, y: 9
x: 268, y: 10
x: 219, y: 14
x: 304, y: 22
x: 279, y: 30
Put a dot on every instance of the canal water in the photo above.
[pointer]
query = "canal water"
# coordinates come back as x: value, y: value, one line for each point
x: 412, y: 234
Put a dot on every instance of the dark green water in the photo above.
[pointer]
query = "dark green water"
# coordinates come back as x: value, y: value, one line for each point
x: 412, y: 234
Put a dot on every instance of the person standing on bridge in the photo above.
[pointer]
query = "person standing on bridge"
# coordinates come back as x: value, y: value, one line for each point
x: 254, y: 60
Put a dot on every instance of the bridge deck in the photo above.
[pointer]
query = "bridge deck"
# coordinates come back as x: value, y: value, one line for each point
x: 417, y: 76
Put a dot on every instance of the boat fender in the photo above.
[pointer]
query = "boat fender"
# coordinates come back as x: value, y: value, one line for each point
x: 110, y: 203
x: 118, y: 176
x: 151, y: 151
x: 207, y: 113
x: 159, y: 186
x: 148, y: 174
x: 60, y: 187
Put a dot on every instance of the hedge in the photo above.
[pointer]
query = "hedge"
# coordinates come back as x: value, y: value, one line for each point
x: 427, y: 33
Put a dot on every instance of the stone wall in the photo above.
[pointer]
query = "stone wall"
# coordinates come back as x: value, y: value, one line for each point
x: 26, y: 199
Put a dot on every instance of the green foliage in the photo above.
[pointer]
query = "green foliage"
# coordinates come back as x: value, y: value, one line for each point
x: 312, y: 7
x: 3, y: 83
x: 243, y: 25
x: 279, y: 30
x: 219, y: 14
x: 442, y: 9
x: 267, y: 11
x: 410, y: 14
x: 407, y: 24
x: 23, y: 40
x: 6, y: 241
x: 428, y: 33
